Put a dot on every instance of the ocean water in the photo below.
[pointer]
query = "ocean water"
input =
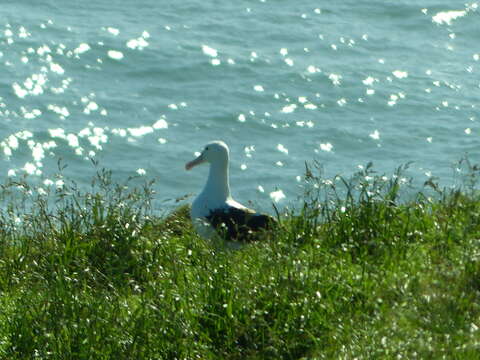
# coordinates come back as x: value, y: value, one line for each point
x: 141, y: 87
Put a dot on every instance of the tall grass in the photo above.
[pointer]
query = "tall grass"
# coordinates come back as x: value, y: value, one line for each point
x: 352, y: 272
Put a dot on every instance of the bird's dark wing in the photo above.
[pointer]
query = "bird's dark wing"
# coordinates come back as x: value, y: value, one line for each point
x: 239, y: 224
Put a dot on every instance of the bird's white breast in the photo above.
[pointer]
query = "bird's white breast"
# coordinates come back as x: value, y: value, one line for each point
x: 201, y: 208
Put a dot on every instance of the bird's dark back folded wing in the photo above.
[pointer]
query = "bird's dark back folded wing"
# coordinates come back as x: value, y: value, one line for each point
x: 238, y: 224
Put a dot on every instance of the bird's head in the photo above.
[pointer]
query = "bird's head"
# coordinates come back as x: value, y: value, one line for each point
x: 214, y: 152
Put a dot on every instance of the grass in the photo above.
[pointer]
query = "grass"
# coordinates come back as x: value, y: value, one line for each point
x: 352, y: 273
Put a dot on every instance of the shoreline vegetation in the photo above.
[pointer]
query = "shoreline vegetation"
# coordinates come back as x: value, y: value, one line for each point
x: 351, y: 272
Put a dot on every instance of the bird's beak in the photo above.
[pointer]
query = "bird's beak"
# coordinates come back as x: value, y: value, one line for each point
x: 195, y: 162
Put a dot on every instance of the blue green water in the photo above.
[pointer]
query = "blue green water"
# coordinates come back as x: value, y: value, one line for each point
x: 141, y: 86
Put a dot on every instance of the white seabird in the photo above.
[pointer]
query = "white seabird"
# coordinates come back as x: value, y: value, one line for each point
x: 214, y: 211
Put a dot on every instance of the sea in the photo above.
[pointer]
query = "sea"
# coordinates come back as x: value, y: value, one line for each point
x: 139, y: 87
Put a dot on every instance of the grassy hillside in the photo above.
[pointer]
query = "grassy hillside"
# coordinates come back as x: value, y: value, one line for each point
x: 350, y: 273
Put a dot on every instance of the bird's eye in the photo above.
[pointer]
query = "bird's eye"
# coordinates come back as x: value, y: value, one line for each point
x: 206, y: 148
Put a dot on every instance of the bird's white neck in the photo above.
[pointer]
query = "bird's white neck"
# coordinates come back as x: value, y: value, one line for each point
x: 217, y: 186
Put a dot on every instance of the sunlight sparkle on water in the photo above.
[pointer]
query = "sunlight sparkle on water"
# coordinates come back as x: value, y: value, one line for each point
x: 6, y: 150
x: 56, y: 68
x: 335, y: 79
x: 57, y: 133
x: 309, y: 124
x: 369, y: 81
x: 19, y: 91
x: 326, y: 147
x: 12, y: 142
x: 113, y: 31
x: 139, y: 43
x: 207, y: 50
x: 282, y: 149
x: 116, y: 55
x: 140, y: 131
x: 91, y: 106
x: 119, y: 132
x: 400, y: 74
x: 95, y: 137
x: 249, y: 150
x: 446, y: 17
x: 289, y: 108
x: 277, y: 195
x: 375, y: 135
x: 37, y: 151
x: 31, y: 169
x: 44, y: 49
x: 160, y: 124
x: 72, y: 140
x: 62, y: 111
x: 393, y: 100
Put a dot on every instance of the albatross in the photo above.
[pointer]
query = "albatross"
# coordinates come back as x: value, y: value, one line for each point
x: 214, y: 211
